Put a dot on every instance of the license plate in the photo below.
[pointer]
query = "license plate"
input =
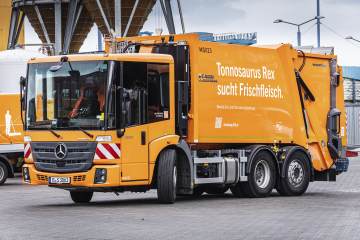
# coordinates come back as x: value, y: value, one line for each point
x: 59, y: 180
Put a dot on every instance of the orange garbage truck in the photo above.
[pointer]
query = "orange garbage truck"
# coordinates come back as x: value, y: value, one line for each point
x: 184, y: 116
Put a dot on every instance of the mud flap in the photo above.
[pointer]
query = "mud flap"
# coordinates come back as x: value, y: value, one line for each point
x: 328, y: 175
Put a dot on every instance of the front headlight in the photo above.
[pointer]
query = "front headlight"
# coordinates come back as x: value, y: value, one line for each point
x: 27, y: 139
x: 103, y: 139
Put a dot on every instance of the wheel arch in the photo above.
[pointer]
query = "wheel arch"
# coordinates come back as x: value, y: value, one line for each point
x: 285, y: 156
x: 8, y: 165
x: 185, y: 167
x: 255, y: 149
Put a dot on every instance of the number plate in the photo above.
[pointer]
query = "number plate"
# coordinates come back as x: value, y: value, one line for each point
x: 59, y: 180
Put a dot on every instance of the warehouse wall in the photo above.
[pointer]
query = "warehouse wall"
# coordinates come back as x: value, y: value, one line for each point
x: 352, y: 105
x: 5, y: 15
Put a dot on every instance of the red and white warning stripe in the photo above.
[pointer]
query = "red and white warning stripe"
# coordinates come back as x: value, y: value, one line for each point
x: 107, y: 151
x: 27, y: 150
x: 346, y: 121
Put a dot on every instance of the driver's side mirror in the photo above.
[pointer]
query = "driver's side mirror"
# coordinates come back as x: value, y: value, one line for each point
x: 125, y: 98
x: 22, y: 90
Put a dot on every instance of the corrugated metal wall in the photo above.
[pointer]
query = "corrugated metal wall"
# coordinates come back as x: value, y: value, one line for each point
x: 352, y: 113
x: 352, y: 106
x: 5, y: 16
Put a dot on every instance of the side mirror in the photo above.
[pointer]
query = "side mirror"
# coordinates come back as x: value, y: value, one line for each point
x: 125, y: 97
x: 22, y: 90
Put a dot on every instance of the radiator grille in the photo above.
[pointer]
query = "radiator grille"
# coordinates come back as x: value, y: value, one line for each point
x: 55, y: 161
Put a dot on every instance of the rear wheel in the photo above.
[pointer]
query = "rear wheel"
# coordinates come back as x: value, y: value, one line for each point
x: 297, y: 176
x: 81, y: 197
x: 167, y: 177
x: 261, y: 178
x: 3, y: 173
x: 215, y: 190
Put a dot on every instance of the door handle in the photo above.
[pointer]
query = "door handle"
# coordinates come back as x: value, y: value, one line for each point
x: 143, y: 138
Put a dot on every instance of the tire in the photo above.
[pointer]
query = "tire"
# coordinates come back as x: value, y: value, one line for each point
x: 297, y: 176
x: 237, y: 191
x: 198, y: 191
x: 261, y: 179
x: 81, y: 197
x: 3, y: 173
x: 167, y: 177
x: 215, y: 190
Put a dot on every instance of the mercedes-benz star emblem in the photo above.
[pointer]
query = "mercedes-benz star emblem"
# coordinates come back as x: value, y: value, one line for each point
x: 60, y: 151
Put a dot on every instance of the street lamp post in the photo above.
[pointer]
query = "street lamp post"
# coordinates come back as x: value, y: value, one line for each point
x: 298, y: 25
x: 350, y: 37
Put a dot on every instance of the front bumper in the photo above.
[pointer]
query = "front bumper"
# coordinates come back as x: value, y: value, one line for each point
x: 80, y: 179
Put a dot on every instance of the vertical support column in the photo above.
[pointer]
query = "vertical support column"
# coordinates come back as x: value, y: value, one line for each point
x: 58, y: 35
x: 99, y: 41
x: 69, y: 24
x: 354, y: 90
x: 118, y: 17
x: 318, y: 22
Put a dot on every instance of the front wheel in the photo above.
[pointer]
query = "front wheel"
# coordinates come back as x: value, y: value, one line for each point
x: 167, y: 177
x: 261, y: 178
x: 81, y: 197
x: 297, y: 176
x: 3, y: 173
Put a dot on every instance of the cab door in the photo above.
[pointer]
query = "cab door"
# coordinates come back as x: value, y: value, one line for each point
x: 134, y: 143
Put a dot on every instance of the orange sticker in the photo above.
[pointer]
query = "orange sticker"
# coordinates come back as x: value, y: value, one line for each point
x: 166, y: 114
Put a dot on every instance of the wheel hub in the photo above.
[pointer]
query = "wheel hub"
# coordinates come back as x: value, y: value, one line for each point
x: 262, y: 174
x: 258, y: 174
x: 295, y: 173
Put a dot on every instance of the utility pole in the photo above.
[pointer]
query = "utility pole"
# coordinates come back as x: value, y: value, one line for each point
x: 318, y: 22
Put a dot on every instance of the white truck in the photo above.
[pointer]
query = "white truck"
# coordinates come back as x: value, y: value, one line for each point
x: 13, y: 64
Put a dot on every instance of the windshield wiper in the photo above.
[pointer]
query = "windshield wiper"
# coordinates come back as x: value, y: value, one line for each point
x: 86, y: 132
x: 56, y: 135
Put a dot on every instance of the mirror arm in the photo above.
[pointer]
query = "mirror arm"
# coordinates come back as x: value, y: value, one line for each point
x: 22, y: 85
x: 121, y: 132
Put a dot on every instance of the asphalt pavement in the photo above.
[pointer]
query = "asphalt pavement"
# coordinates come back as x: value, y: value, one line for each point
x: 328, y: 210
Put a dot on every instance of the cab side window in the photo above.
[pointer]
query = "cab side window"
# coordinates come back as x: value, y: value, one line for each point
x: 158, y: 92
x: 135, y: 78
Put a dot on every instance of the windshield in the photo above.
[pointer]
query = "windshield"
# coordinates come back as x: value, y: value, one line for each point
x: 71, y: 98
